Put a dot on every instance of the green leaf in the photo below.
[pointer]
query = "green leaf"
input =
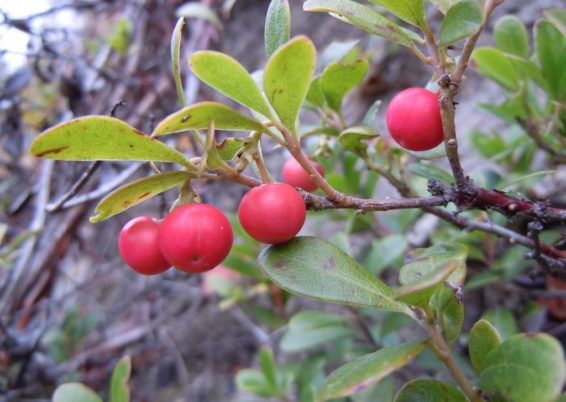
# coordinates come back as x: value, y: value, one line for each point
x: 385, y: 252
x: 101, y: 138
x: 551, y: 53
x: 315, y: 268
x: 308, y: 329
x: 503, y: 321
x: 355, y: 139
x: 483, y: 339
x: 463, y: 19
x: 429, y: 390
x: 175, y: 59
x: 199, y: 11
x: 422, y: 278
x: 557, y: 17
x: 277, y: 26
x: 525, y: 368
x: 338, y: 79
x: 75, y: 392
x: 383, y: 391
x: 430, y: 171
x: 446, y: 303
x: 120, y: 36
x: 411, y: 11
x: 287, y: 77
x: 443, y: 5
x: 362, y: 17
x: 314, y: 94
x: 137, y: 191
x: 253, y: 381
x: 119, y: 388
x: 529, y: 70
x: 369, y: 369
x: 229, y: 77
x: 496, y: 66
x: 229, y: 147
x: 268, y: 368
x: 511, y: 36
x: 200, y: 115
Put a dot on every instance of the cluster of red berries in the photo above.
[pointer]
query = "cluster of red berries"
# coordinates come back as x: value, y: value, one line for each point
x: 198, y: 237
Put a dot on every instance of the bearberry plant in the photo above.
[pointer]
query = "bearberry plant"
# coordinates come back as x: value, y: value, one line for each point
x: 422, y: 314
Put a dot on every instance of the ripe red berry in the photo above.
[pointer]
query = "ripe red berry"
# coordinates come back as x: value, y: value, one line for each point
x: 195, y: 237
x: 272, y: 213
x: 413, y: 119
x: 139, y: 246
x: 294, y: 174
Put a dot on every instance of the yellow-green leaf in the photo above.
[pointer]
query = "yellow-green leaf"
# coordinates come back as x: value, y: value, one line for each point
x: 119, y: 389
x: 355, y: 376
x: 287, y: 78
x: 229, y: 77
x: 137, y: 191
x: 363, y: 17
x: 411, y: 11
x: 200, y: 115
x: 483, y: 339
x: 101, y: 138
x: 338, y: 79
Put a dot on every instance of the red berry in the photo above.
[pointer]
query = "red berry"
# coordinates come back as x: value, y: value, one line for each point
x: 139, y: 246
x: 195, y: 237
x: 296, y: 176
x: 272, y: 213
x: 413, y: 119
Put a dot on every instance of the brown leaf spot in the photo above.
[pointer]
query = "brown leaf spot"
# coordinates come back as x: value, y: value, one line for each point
x: 141, y: 196
x: 185, y: 118
x: 52, y: 151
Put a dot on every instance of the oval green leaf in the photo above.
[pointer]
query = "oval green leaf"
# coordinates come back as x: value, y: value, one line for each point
x: 287, y: 78
x: 75, y: 392
x: 411, y: 11
x: 525, y: 368
x: 366, y: 370
x: 483, y: 339
x: 496, y: 66
x: 510, y: 35
x: 551, y: 53
x: 101, y: 138
x: 429, y: 390
x: 463, y: 19
x: 277, y: 26
x: 354, y: 138
x: 315, y: 268
x: 200, y: 115
x: 119, y: 388
x: 363, y: 17
x: 338, y: 79
x: 137, y: 191
x: 229, y: 77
